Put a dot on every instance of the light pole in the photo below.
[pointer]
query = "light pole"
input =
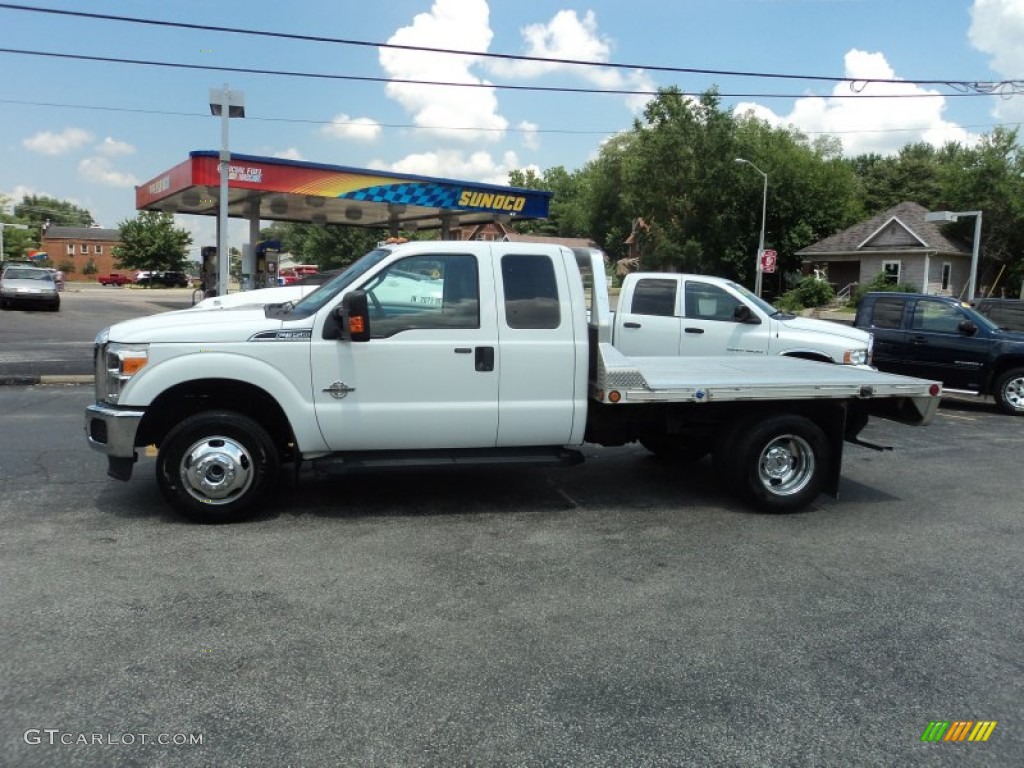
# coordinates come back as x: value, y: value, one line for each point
x: 764, y: 211
x: 227, y: 104
x: 953, y: 216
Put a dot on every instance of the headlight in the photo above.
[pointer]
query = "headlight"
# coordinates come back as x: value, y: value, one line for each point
x: 857, y: 357
x: 121, y: 362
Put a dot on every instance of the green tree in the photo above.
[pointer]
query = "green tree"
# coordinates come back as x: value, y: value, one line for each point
x: 17, y: 241
x: 150, y: 241
x: 329, y: 247
x: 90, y: 267
x: 38, y: 209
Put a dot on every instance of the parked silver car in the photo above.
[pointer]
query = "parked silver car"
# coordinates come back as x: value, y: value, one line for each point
x: 28, y: 286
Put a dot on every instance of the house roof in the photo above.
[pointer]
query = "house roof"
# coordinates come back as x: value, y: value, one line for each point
x: 82, y: 233
x: 901, y: 228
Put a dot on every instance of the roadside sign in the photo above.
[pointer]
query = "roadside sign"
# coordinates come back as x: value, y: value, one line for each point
x: 768, y: 260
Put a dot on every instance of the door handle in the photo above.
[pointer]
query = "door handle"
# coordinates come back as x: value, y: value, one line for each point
x: 485, y: 358
x: 462, y: 350
x: 631, y: 324
x: 919, y: 340
x: 695, y: 330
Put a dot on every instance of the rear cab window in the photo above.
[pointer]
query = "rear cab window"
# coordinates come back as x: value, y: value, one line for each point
x: 654, y: 296
x: 888, y: 313
x: 531, y: 292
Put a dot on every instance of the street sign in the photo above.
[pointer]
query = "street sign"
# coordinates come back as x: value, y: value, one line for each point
x: 768, y: 260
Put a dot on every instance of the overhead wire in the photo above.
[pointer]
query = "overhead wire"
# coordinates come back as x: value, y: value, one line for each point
x: 1003, y: 87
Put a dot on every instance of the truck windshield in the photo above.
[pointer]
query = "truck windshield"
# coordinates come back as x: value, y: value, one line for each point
x: 754, y: 299
x: 312, y: 302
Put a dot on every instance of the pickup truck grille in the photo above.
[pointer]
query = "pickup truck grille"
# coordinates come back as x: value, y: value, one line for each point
x: 99, y: 363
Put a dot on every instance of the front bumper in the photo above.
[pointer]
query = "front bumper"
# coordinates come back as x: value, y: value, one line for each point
x: 112, y: 431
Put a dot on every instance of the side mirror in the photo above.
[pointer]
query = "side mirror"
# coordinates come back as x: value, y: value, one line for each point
x: 742, y: 314
x: 354, y: 315
x: 968, y: 328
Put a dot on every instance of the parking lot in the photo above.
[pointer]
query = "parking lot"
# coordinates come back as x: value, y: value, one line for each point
x: 625, y: 612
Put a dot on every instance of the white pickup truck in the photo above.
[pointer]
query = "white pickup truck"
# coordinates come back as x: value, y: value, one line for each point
x: 506, y: 367
x: 675, y: 314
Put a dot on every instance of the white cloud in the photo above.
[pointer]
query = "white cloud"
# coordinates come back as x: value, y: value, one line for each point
x: 997, y: 27
x: 49, y: 143
x: 100, y: 171
x: 567, y: 36
x: 477, y: 166
x: 871, y: 124
x: 111, y: 147
x: 462, y: 24
x: 288, y: 154
x: 531, y: 139
x: 357, y: 128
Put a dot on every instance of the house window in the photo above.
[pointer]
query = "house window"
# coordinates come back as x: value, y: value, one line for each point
x: 71, y: 249
x: 892, y: 271
x: 947, y: 270
x: 83, y: 248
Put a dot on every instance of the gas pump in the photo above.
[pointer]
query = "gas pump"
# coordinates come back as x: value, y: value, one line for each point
x: 267, y: 254
x: 208, y: 270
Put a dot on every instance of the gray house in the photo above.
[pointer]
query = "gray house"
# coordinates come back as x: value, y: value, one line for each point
x: 898, y: 242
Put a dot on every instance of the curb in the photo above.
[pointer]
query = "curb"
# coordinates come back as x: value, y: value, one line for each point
x: 23, y: 379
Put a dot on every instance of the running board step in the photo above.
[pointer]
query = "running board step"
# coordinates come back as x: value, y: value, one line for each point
x: 361, y: 461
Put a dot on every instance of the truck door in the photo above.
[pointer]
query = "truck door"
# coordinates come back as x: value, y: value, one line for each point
x: 428, y: 378
x: 710, y: 327
x: 651, y: 324
x: 543, y: 357
x: 937, y: 347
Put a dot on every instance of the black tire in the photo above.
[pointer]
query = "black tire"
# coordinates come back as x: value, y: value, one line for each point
x: 674, y: 448
x: 216, y: 466
x: 778, y: 464
x: 1009, y: 392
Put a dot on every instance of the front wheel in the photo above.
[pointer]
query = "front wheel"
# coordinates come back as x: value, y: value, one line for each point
x: 215, y: 467
x: 1009, y: 392
x: 778, y: 464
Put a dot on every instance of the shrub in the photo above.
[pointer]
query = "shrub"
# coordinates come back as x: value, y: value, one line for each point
x: 881, y: 283
x: 809, y: 292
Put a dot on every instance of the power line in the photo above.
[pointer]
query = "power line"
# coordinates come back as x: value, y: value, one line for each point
x: 1004, y: 87
x: 412, y: 126
x: 449, y: 84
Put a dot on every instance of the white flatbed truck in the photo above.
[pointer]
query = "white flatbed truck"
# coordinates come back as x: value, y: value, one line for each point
x: 512, y: 364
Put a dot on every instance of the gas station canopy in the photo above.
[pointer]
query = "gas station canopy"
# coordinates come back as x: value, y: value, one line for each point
x: 287, y: 190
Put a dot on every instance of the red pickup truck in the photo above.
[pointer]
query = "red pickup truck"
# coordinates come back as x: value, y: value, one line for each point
x: 114, y: 279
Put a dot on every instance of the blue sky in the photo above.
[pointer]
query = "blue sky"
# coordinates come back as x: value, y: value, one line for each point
x: 90, y: 131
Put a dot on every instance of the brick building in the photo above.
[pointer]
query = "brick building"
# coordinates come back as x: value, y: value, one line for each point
x: 81, y: 246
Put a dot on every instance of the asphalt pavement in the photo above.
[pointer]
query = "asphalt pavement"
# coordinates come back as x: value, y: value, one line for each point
x: 622, y: 613
x: 37, y: 346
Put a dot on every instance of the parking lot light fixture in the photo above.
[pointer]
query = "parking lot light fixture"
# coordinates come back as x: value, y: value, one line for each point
x: 764, y: 210
x: 947, y: 216
x: 226, y: 104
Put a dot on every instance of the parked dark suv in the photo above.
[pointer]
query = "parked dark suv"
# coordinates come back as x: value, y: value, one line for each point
x: 938, y: 337
x: 166, y: 279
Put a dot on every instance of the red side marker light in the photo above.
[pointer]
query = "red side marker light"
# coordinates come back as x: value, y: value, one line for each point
x: 357, y: 324
x: 614, y: 396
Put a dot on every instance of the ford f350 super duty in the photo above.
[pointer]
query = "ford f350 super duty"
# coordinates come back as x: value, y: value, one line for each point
x: 500, y: 358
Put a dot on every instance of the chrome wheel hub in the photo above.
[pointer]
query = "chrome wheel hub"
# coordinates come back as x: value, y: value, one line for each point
x: 1013, y: 393
x: 786, y: 465
x: 216, y: 470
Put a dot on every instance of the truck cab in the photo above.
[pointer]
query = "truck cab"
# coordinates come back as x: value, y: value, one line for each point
x: 698, y: 315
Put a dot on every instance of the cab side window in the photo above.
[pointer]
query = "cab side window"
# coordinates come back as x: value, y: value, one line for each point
x: 709, y: 302
x: 654, y: 296
x: 888, y: 313
x: 531, y: 292
x: 935, y: 317
x: 424, y: 292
